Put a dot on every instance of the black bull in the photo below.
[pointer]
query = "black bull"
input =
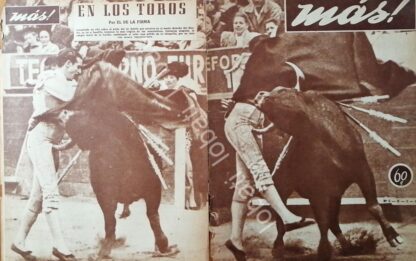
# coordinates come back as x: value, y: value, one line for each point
x: 120, y: 170
x: 324, y: 158
x: 326, y: 155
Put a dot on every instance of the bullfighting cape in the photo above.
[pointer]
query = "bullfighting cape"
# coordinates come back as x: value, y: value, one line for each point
x: 342, y: 61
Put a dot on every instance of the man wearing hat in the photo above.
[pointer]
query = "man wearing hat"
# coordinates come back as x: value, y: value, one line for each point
x: 170, y: 80
x: 171, y: 75
x: 53, y: 88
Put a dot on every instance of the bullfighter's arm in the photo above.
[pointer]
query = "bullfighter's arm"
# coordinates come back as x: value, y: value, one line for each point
x: 67, y: 144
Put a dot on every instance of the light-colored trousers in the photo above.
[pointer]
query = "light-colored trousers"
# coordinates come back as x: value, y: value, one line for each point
x: 44, y: 194
x: 252, y: 171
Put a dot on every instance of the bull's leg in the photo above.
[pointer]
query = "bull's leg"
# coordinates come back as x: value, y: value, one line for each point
x: 321, y: 209
x: 152, y: 211
x: 368, y: 188
x: 108, y: 205
x: 335, y: 204
x: 126, y: 211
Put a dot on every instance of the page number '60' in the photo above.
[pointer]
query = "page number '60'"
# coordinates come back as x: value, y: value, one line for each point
x: 400, y: 175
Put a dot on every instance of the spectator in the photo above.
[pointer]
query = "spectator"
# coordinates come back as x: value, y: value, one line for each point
x: 35, y: 2
x: 229, y: 10
x: 212, y: 10
x: 176, y: 71
x: 31, y: 44
x: 142, y: 45
x: 46, y: 45
x: 166, y: 45
x: 241, y: 36
x: 259, y: 11
x: 212, y: 38
x: 271, y: 27
x: 61, y: 34
x: 200, y: 39
x: 12, y: 42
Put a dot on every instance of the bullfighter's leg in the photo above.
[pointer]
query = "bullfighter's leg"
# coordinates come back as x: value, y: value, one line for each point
x: 321, y: 210
x: 238, y: 129
x: 368, y: 188
x: 108, y: 206
x: 243, y: 192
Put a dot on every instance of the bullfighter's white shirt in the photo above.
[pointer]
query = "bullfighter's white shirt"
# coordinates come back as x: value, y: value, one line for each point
x: 51, y: 83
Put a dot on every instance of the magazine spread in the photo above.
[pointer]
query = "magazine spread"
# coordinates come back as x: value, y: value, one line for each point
x: 208, y: 129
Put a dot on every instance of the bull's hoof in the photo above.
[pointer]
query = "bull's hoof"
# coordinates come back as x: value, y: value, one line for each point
x: 396, y: 241
x: 393, y: 237
x: 239, y: 255
x: 126, y: 213
x: 171, y: 251
x: 106, y: 246
x: 95, y: 257
x: 278, y: 255
x: 278, y: 252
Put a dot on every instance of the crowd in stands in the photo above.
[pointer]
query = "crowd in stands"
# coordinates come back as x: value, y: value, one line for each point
x: 233, y: 23
x: 221, y: 23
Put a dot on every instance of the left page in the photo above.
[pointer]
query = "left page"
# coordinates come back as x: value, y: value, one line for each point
x: 104, y: 118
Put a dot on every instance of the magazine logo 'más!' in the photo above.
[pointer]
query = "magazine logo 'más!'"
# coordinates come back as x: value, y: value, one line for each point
x: 32, y: 15
x: 347, y: 15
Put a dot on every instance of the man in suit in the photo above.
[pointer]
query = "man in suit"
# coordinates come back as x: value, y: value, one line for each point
x: 259, y: 11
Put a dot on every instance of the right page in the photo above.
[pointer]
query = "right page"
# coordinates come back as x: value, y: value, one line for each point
x: 312, y: 114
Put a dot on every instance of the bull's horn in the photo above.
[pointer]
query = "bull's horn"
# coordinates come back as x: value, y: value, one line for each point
x: 299, y: 74
x: 264, y: 130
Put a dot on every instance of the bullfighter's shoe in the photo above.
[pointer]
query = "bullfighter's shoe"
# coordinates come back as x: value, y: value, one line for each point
x: 27, y: 255
x: 62, y: 256
x: 238, y: 254
x: 304, y: 222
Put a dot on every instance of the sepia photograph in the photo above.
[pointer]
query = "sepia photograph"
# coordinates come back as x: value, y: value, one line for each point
x: 316, y: 128
x: 204, y: 130
x: 104, y: 149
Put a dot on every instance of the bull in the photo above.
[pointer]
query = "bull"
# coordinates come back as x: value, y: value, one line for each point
x: 120, y: 170
x: 326, y: 155
x: 321, y: 163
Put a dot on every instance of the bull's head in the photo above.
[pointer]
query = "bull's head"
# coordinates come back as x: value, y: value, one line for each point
x: 286, y: 108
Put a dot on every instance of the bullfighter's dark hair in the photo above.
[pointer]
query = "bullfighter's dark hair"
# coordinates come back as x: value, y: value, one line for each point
x: 50, y: 61
x: 65, y: 55
x: 177, y: 69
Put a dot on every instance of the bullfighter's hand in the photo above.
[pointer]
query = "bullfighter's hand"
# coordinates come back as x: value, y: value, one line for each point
x: 32, y: 124
x: 64, y: 145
